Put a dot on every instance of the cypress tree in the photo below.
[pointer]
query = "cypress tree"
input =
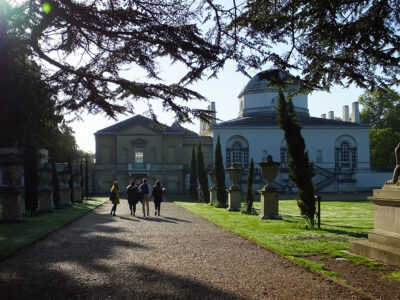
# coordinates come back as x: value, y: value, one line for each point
x: 56, y: 186
x: 202, y: 175
x: 193, y: 175
x: 220, y: 176
x: 87, y: 176
x: 300, y: 168
x: 249, y: 194
x: 82, y: 178
x: 71, y: 181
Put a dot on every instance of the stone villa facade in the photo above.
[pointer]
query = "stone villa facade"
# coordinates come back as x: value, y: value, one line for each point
x: 138, y: 148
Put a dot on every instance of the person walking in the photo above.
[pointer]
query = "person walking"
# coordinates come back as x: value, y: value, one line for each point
x: 133, y: 196
x: 114, y: 197
x: 157, y: 196
x: 146, y: 189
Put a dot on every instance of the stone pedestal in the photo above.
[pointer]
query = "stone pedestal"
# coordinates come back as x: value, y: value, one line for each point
x: 213, y: 195
x: 11, y: 199
x: 78, y: 194
x: 269, y: 204
x: 45, y: 200
x: 383, y: 242
x: 65, y: 199
x: 77, y: 188
x: 234, y: 199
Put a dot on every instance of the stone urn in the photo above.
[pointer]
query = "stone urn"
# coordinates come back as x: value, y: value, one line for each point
x: 213, y: 188
x: 77, y: 179
x: 269, y: 170
x: 213, y: 178
x: 45, y: 190
x: 234, y: 176
x: 65, y: 176
x: 65, y: 199
x: 13, y: 173
x: 46, y: 174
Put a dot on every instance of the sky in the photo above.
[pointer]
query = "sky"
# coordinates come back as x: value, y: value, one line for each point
x: 223, y: 90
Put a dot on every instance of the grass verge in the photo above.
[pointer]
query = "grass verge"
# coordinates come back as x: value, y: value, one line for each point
x: 341, y: 222
x: 14, y: 236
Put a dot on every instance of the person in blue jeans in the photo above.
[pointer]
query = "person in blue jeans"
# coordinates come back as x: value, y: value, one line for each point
x: 146, y: 189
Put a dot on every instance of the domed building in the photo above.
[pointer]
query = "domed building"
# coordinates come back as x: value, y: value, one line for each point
x: 339, y: 149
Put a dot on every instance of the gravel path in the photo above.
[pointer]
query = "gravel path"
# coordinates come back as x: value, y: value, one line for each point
x: 175, y: 256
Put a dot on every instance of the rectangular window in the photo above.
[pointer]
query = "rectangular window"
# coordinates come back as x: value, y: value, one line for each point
x: 171, y: 153
x: 105, y: 154
x: 228, y: 157
x: 139, y: 155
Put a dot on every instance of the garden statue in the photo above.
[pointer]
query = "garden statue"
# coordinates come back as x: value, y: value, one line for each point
x: 396, y: 172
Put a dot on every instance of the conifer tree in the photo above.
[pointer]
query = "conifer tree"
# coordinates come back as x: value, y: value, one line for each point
x: 193, y: 175
x: 202, y: 175
x: 87, y: 176
x: 301, y: 170
x: 220, y: 176
x: 82, y: 178
x: 71, y: 181
x: 56, y: 185
x: 249, y: 194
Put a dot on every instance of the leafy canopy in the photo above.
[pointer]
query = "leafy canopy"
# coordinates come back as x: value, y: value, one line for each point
x: 85, y: 45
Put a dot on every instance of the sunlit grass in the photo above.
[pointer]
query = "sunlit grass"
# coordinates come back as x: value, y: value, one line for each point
x: 14, y: 236
x: 341, y: 222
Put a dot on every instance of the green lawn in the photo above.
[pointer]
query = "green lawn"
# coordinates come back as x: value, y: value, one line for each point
x: 14, y: 236
x: 341, y: 222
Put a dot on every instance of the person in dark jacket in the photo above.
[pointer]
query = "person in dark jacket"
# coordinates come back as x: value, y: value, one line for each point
x: 157, y: 197
x: 133, y: 197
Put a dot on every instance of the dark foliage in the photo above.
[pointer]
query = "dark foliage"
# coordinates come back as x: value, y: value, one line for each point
x: 220, y: 176
x: 82, y: 178
x: 71, y: 181
x: 109, y: 36
x: 87, y: 176
x: 248, y: 205
x: 301, y: 170
x: 202, y: 175
x: 327, y: 42
x: 193, y: 175
x: 56, y: 186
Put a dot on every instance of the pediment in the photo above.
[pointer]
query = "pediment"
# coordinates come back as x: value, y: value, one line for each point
x: 138, y: 142
x: 138, y: 130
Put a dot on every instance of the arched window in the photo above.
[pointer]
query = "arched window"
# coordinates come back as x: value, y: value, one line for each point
x: 284, y: 154
x: 345, y: 153
x: 237, y: 152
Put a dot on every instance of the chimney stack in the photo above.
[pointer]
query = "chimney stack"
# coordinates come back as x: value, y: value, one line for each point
x: 355, y: 115
x: 345, y: 115
x: 214, y: 114
x: 331, y: 115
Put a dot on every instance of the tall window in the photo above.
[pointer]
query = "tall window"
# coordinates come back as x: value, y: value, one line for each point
x: 237, y: 152
x: 345, y: 155
x: 139, y: 156
x: 344, y: 152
